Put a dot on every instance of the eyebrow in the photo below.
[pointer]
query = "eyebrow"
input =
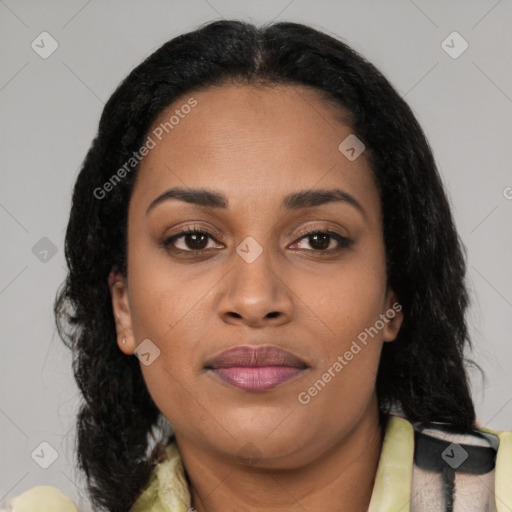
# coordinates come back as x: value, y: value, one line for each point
x: 294, y: 201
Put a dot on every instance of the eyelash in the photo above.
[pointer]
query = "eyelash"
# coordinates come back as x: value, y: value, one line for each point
x: 344, y: 242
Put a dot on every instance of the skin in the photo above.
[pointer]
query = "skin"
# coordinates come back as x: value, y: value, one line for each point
x: 256, y: 145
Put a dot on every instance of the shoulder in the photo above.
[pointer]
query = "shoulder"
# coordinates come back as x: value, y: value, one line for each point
x: 41, y: 498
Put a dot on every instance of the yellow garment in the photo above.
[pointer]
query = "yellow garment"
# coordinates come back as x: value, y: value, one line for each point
x: 167, y: 489
x: 503, y: 486
x: 391, y: 492
x: 42, y: 498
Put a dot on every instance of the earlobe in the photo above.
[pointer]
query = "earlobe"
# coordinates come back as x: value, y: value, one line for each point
x: 394, y: 317
x: 122, y: 314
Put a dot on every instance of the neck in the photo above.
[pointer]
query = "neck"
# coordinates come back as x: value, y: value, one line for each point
x: 341, y: 478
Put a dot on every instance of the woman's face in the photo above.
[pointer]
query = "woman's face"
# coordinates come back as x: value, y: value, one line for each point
x: 260, y: 280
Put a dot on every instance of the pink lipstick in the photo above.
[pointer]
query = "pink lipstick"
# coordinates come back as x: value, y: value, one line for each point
x: 256, y: 368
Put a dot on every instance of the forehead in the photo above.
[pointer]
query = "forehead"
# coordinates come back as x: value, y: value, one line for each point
x: 255, y: 144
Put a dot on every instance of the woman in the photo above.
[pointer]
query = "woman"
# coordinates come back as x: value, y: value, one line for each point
x: 260, y: 221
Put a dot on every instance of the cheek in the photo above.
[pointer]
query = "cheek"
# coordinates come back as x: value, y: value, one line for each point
x: 166, y: 299
x: 171, y: 312
x: 173, y: 396
x: 336, y: 399
x: 347, y: 299
x: 347, y: 311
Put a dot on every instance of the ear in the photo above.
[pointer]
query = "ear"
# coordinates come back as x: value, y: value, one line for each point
x: 394, y: 316
x: 122, y: 314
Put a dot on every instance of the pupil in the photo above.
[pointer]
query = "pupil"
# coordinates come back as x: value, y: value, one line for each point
x: 196, y: 237
x: 324, y: 245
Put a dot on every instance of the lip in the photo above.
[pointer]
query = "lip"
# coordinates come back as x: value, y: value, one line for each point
x: 255, y: 356
x: 256, y: 368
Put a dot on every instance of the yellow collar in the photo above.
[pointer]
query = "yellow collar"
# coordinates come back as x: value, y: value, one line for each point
x: 167, y: 490
x: 392, y: 487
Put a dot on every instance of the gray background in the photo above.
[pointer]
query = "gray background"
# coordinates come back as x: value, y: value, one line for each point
x: 50, y: 111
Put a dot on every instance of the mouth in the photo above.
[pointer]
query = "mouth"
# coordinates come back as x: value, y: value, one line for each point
x: 256, y: 368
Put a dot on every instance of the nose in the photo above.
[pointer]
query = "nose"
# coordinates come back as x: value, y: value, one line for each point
x: 255, y: 293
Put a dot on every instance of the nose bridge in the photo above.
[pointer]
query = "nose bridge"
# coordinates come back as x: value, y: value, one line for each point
x: 256, y: 247
x: 254, y: 287
x: 253, y: 266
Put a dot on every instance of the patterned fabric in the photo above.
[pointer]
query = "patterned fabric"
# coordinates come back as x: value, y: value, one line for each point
x: 453, y: 472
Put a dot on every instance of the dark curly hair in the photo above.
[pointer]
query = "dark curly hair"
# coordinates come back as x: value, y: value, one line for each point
x: 423, y: 372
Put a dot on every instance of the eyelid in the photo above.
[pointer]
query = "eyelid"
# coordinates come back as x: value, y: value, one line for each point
x: 212, y: 231
x: 322, y: 226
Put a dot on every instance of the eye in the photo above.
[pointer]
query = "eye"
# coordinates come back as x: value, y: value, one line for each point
x: 194, y: 240
x: 321, y: 240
